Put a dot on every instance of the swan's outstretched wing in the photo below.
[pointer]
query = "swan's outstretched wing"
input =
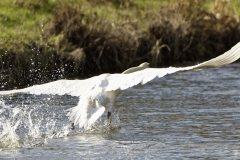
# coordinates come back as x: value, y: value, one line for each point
x: 59, y: 87
x: 121, y: 81
x: 125, y: 81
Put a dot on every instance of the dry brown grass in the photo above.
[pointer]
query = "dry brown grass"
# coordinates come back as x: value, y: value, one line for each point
x: 192, y: 33
x: 87, y: 44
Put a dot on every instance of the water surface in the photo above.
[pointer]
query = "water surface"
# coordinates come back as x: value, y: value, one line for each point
x: 184, y: 115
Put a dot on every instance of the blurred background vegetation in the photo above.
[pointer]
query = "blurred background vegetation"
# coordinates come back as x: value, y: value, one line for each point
x: 46, y: 40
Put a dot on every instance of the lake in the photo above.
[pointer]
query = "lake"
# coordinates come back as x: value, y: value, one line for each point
x: 186, y: 115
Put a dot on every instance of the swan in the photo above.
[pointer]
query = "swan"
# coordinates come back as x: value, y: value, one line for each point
x: 98, y: 94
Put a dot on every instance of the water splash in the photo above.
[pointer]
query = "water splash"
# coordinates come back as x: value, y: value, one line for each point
x: 102, y: 125
x: 30, y: 121
x: 8, y: 136
x: 22, y: 126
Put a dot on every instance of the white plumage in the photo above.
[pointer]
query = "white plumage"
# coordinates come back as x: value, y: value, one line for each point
x: 98, y: 94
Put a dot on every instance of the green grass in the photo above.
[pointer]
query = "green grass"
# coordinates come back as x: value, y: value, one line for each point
x: 19, y: 22
x: 22, y: 21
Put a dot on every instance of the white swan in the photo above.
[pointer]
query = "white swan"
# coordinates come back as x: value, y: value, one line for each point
x: 98, y: 94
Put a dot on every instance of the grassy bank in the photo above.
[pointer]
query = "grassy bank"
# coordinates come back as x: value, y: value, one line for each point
x: 45, y: 40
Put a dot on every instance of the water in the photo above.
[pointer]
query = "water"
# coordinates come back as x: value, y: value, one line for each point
x: 186, y: 115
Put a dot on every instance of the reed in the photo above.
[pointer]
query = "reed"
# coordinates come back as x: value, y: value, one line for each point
x: 79, y: 39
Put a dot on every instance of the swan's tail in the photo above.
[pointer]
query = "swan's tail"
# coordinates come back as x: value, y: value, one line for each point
x: 85, y: 113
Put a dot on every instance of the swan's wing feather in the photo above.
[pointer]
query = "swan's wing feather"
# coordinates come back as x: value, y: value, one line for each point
x: 85, y: 113
x: 59, y: 87
x: 228, y: 57
x: 125, y: 81
x: 95, y: 113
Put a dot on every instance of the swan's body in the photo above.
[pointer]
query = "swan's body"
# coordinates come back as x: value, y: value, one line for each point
x: 98, y: 94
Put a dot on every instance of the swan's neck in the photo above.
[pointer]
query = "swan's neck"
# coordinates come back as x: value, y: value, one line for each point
x: 112, y: 95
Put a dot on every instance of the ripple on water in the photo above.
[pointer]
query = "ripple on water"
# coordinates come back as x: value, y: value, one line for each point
x: 186, y: 115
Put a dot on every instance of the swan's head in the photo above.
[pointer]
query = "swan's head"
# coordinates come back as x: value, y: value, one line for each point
x: 144, y: 65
